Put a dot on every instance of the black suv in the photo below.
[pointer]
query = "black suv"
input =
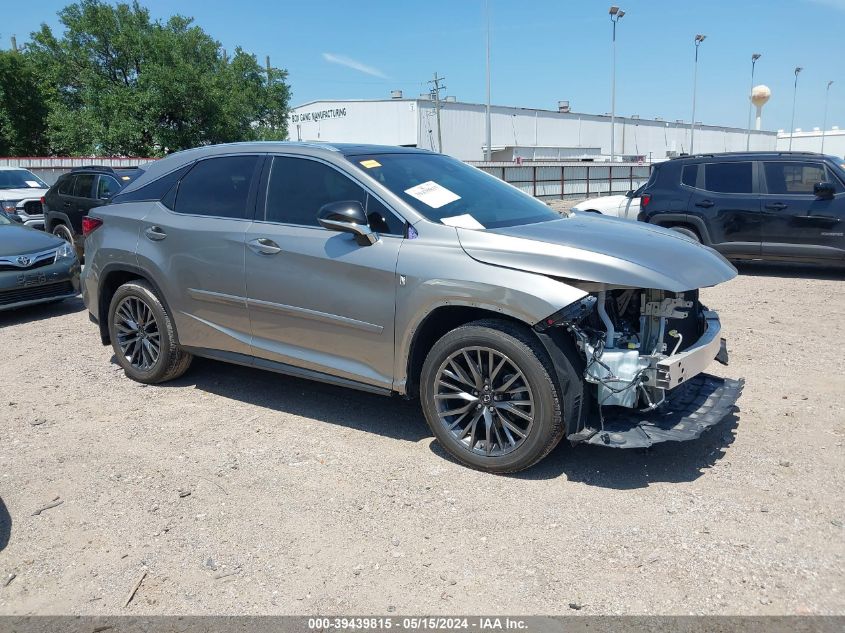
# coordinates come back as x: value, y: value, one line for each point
x: 753, y: 205
x: 75, y: 193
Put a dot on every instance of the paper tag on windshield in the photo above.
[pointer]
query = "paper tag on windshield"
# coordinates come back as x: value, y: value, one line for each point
x: 369, y: 164
x: 33, y: 183
x: 465, y: 221
x: 432, y: 194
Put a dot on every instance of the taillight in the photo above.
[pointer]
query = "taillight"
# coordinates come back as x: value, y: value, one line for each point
x: 89, y: 225
x: 645, y: 199
x: 42, y: 201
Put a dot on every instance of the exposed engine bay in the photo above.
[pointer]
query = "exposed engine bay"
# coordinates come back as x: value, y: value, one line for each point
x: 639, y: 347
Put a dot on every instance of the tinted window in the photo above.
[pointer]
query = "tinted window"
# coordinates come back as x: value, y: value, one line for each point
x: 728, y: 177
x: 793, y: 177
x: 299, y: 187
x: 217, y: 186
x: 155, y: 190
x: 84, y: 183
x: 383, y: 220
x: 689, y: 175
x: 107, y: 187
x: 66, y: 185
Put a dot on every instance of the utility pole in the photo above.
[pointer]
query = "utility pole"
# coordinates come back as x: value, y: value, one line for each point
x: 488, y: 132
x: 14, y: 44
x: 754, y: 59
x: 435, y: 93
x: 269, y: 72
x: 824, y: 125
x: 698, y: 40
x: 798, y: 69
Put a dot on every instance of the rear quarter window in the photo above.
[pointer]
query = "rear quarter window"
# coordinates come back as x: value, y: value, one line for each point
x: 689, y: 175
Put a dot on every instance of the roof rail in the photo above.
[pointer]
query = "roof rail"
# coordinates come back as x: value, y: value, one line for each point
x: 101, y: 168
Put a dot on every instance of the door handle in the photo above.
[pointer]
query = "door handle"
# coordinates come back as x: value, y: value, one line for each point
x: 705, y: 203
x: 264, y: 246
x: 776, y: 206
x: 155, y: 233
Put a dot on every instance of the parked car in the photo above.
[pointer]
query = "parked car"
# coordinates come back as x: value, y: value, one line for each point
x: 786, y: 206
x: 75, y: 193
x: 401, y: 271
x: 625, y: 206
x: 34, y: 267
x: 21, y: 193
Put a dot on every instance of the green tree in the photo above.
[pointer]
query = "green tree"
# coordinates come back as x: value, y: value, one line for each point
x: 23, y: 110
x: 121, y: 83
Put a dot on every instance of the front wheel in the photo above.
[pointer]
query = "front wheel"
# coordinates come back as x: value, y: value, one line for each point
x: 143, y: 336
x: 489, y: 398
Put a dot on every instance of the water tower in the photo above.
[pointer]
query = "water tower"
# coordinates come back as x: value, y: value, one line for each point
x: 759, y: 96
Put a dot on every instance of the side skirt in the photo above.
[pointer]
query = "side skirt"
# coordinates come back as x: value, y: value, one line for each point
x: 284, y: 368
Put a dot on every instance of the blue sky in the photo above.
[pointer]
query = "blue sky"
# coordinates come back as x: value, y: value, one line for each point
x: 542, y: 50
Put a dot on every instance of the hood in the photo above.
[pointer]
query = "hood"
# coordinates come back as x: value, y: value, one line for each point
x: 21, y: 240
x: 25, y: 193
x: 601, y: 250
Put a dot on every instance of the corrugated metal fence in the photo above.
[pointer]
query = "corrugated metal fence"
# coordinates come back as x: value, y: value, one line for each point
x: 49, y: 168
x: 555, y: 180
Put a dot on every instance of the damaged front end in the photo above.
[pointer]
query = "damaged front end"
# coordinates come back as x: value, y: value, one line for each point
x: 643, y: 354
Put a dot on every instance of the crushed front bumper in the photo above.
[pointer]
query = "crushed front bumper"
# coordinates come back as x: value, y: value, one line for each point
x: 694, y: 401
x: 690, y: 409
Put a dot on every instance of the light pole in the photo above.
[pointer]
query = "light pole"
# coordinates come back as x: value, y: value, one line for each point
x: 754, y: 58
x: 616, y: 14
x: 824, y: 125
x: 798, y: 69
x: 487, y: 126
x: 698, y: 40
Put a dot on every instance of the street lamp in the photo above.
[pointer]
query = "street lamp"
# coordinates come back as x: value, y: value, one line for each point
x: 698, y: 40
x: 798, y: 69
x: 754, y: 58
x: 616, y: 14
x: 824, y: 125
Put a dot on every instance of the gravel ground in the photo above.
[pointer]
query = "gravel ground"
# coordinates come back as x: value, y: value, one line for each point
x: 244, y: 492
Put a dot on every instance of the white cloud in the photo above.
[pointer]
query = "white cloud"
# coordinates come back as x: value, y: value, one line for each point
x: 353, y: 64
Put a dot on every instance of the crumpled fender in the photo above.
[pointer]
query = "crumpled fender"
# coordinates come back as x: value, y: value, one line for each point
x: 601, y: 250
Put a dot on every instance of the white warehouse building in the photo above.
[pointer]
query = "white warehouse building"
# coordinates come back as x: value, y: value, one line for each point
x: 530, y: 134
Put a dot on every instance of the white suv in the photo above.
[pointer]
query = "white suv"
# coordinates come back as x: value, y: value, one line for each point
x: 625, y: 206
x: 21, y: 193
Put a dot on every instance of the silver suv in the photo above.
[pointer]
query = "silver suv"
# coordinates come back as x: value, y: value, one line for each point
x: 400, y: 271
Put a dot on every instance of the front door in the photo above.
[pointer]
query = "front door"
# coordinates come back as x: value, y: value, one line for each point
x: 193, y: 244
x: 317, y: 300
x: 797, y: 224
x: 725, y: 199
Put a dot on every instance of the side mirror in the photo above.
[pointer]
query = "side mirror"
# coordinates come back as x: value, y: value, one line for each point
x: 347, y: 216
x: 824, y: 190
x: 105, y: 196
x: 629, y: 193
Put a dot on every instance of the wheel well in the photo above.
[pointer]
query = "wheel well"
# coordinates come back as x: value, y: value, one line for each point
x: 592, y: 211
x: 111, y: 282
x: 683, y: 225
x: 434, y: 326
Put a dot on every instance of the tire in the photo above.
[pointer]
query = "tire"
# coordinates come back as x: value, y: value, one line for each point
x: 526, y: 365
x: 690, y: 233
x: 62, y: 231
x: 136, y: 307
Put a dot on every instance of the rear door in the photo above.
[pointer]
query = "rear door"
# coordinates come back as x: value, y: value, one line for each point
x: 193, y: 243
x: 797, y: 224
x: 317, y: 299
x: 726, y: 200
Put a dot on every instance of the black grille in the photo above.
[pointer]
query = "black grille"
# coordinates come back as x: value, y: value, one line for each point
x: 33, y: 207
x: 41, y: 264
x: 36, y: 292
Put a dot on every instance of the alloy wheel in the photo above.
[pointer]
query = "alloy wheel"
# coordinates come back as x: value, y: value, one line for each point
x: 138, y: 335
x: 484, y: 400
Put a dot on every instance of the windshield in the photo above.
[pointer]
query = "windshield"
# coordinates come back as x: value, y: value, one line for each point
x: 20, y: 179
x: 446, y: 190
x: 4, y: 219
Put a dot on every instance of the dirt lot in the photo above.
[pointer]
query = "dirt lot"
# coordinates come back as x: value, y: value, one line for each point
x: 312, y: 499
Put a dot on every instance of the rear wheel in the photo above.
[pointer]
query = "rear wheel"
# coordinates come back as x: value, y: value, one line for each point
x: 143, y: 336
x: 62, y: 231
x: 488, y: 396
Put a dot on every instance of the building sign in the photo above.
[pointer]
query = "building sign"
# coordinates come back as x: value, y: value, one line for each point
x: 317, y: 115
